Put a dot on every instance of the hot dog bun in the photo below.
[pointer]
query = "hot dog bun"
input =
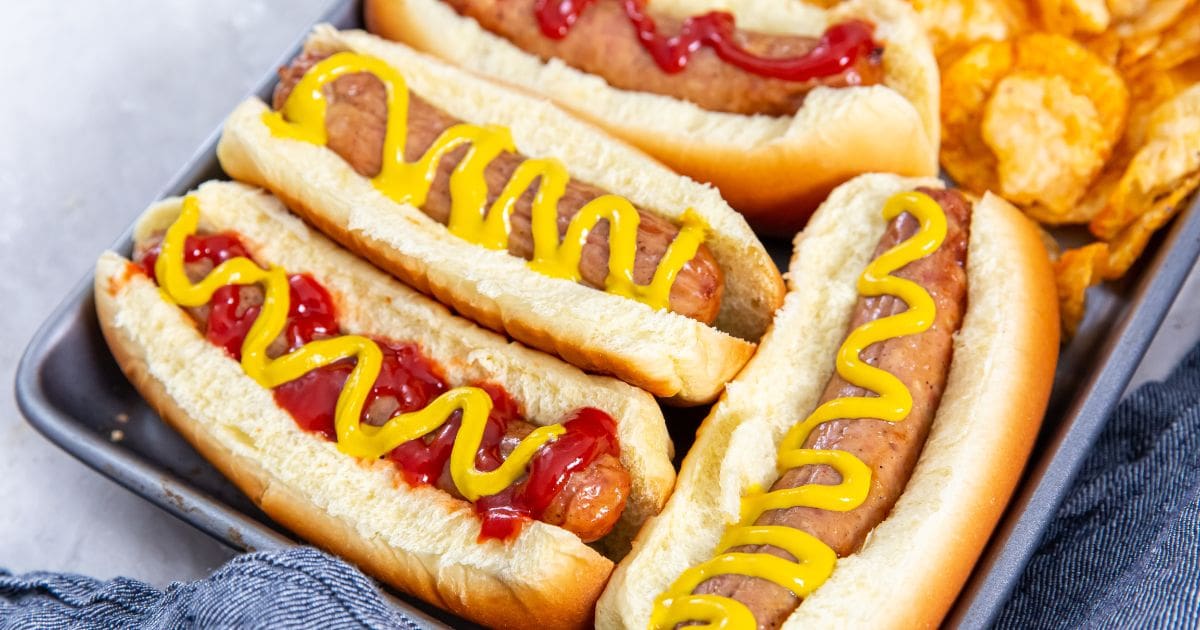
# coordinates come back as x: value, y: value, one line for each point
x: 914, y: 563
x: 418, y: 539
x: 665, y: 353
x: 774, y: 170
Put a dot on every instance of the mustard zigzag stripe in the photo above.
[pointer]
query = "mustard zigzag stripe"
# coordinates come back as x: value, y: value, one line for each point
x: 303, y: 118
x: 353, y: 437
x: 815, y: 559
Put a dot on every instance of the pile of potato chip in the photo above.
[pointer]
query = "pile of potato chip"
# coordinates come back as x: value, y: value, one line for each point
x: 1078, y: 112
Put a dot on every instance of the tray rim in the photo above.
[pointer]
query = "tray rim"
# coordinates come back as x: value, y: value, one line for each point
x: 994, y: 577
x: 1032, y: 507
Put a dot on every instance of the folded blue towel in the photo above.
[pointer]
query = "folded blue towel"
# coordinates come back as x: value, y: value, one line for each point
x: 294, y: 588
x: 1123, y: 551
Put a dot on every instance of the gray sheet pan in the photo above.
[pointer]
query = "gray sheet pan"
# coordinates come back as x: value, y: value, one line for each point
x: 71, y: 390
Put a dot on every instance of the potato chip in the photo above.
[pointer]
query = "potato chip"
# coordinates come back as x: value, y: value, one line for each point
x: 1140, y: 29
x: 1051, y: 117
x: 1069, y: 16
x: 1186, y: 74
x: 1178, y: 45
x: 1145, y: 97
x: 1125, y: 249
x: 1148, y: 18
x: 955, y: 25
x: 1039, y: 136
x: 1102, y: 130
x: 1088, y: 75
x: 1169, y: 155
x: 1147, y: 93
x: 966, y: 86
x: 1122, y: 10
x: 1049, y: 141
x: 1076, y: 270
x: 1096, y: 197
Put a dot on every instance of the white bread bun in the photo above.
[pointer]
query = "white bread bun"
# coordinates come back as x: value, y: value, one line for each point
x: 913, y: 564
x: 418, y: 539
x: 667, y: 354
x: 774, y: 170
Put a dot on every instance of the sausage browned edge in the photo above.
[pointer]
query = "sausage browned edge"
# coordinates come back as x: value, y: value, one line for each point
x: 912, y: 565
x: 673, y: 357
x: 419, y: 540
x: 773, y: 169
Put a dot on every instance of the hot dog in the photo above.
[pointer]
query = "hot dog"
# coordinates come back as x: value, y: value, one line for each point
x: 370, y: 421
x: 890, y: 449
x: 884, y: 475
x: 706, y: 80
x: 671, y: 299
x: 747, y: 96
x: 357, y: 123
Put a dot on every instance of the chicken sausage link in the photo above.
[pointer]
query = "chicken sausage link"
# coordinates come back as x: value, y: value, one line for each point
x: 890, y: 449
x: 602, y: 42
x: 356, y: 123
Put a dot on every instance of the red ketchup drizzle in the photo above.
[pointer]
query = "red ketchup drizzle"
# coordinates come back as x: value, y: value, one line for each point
x: 590, y: 434
x: 413, y: 381
x: 838, y: 49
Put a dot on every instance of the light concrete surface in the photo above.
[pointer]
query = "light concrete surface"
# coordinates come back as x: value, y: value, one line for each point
x: 102, y: 102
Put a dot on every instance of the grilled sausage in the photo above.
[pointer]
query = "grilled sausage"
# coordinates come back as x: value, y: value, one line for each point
x: 602, y: 42
x: 356, y: 122
x: 891, y: 450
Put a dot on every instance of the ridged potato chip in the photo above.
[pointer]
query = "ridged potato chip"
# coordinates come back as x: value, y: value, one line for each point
x: 1122, y: 10
x: 1077, y: 270
x: 1128, y: 245
x: 966, y: 86
x: 1069, y: 16
x: 1170, y: 154
x: 1176, y: 46
x: 1035, y: 119
x: 1102, y: 129
x: 1148, y: 18
x: 1087, y: 73
x: 955, y: 25
x: 1141, y: 28
x: 1048, y: 140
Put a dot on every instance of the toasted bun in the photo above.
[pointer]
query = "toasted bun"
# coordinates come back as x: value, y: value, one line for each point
x: 774, y: 170
x: 667, y: 354
x: 418, y: 539
x: 914, y: 563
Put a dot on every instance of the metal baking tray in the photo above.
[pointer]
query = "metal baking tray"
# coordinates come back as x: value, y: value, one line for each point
x: 71, y: 390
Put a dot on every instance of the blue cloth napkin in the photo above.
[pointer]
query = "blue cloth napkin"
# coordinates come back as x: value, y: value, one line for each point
x: 1123, y: 551
x: 294, y: 588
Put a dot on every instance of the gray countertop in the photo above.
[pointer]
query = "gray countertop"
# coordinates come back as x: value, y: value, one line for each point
x: 103, y: 101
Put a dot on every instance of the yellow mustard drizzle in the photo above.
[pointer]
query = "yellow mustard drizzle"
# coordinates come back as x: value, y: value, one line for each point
x: 353, y: 437
x: 303, y: 118
x: 815, y: 559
